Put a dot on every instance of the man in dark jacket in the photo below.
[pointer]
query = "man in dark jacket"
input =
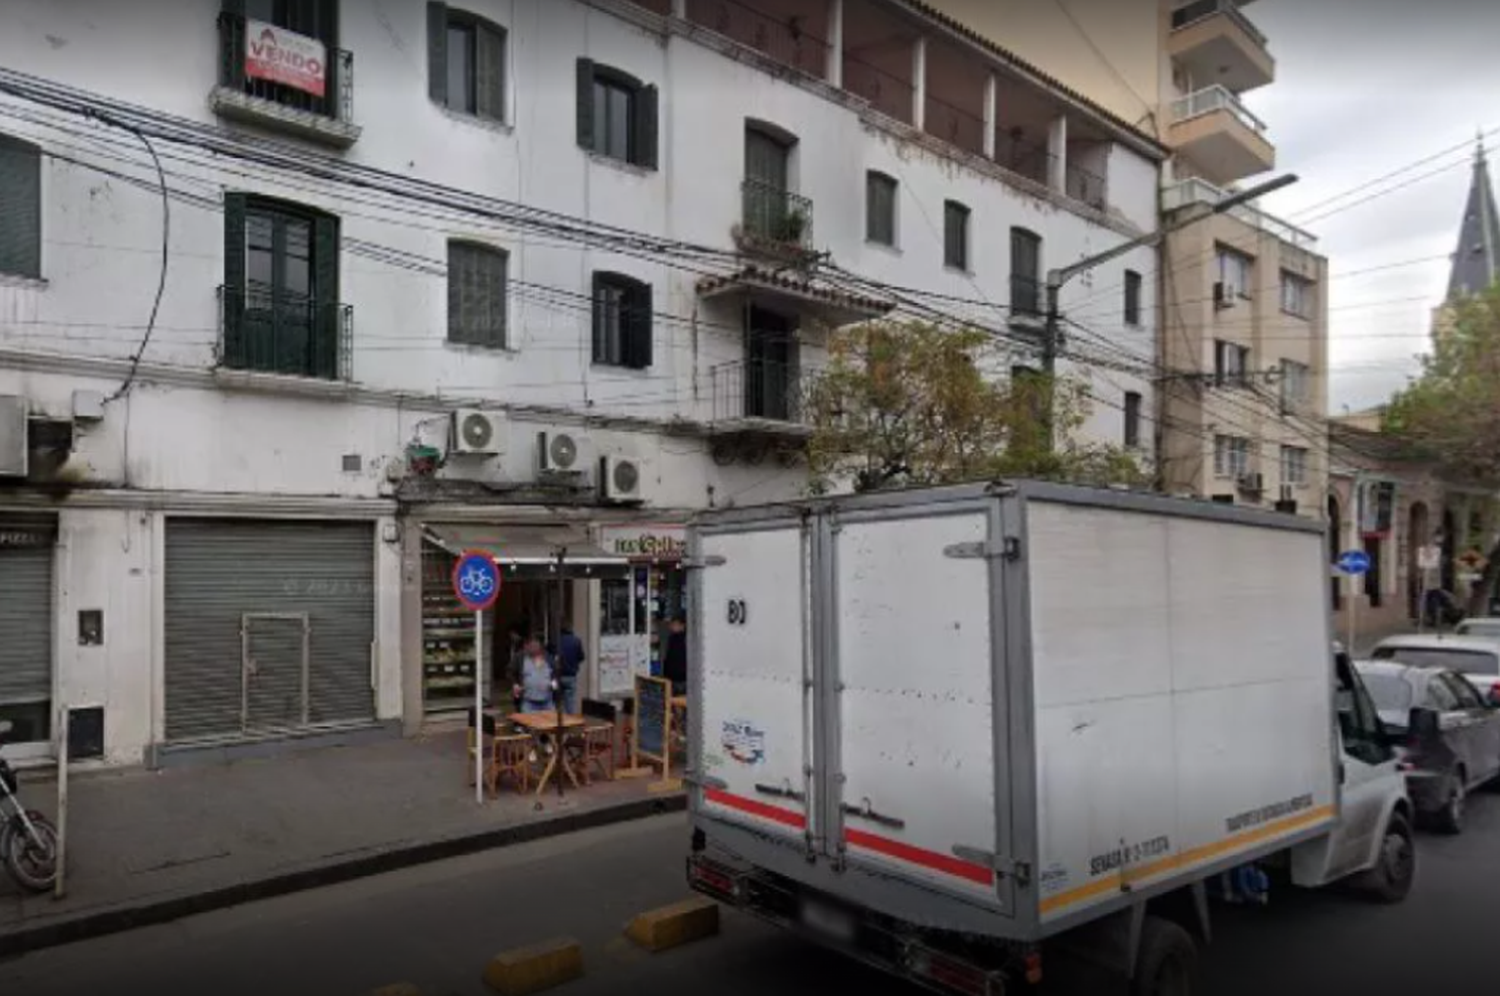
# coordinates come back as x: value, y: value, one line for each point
x: 570, y: 658
x: 674, y: 661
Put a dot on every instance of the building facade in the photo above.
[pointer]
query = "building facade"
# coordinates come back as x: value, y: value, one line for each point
x: 293, y: 316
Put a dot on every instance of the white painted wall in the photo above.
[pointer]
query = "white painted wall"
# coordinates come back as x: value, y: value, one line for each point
x: 183, y: 432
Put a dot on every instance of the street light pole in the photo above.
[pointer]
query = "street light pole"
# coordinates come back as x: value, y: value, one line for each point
x: 1052, y: 334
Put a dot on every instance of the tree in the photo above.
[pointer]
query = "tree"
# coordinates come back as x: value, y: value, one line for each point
x: 1450, y: 414
x: 912, y: 404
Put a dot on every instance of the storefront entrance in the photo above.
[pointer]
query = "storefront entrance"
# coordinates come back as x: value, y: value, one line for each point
x: 540, y: 565
x: 635, y: 610
x: 270, y: 627
x: 27, y: 546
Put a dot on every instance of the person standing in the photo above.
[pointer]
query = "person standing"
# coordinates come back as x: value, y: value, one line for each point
x: 535, y: 688
x: 570, y: 658
x: 674, y: 661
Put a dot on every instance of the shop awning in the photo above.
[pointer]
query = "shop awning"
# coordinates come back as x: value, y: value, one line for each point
x: 534, y: 551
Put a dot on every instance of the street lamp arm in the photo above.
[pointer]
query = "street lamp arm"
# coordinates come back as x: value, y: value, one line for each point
x: 1056, y: 278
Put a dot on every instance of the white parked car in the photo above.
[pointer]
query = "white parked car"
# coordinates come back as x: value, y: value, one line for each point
x: 1487, y: 627
x: 1477, y: 658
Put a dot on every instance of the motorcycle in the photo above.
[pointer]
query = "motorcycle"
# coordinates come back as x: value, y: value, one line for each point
x: 28, y: 840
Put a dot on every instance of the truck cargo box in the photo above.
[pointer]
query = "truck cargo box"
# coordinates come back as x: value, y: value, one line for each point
x: 1008, y: 709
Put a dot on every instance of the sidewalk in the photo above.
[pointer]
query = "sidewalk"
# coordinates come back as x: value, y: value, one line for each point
x: 148, y: 847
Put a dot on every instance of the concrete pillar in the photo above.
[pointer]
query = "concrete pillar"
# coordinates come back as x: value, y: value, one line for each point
x: 835, y: 72
x: 991, y: 112
x: 679, y: 9
x: 919, y: 83
x: 1057, y: 149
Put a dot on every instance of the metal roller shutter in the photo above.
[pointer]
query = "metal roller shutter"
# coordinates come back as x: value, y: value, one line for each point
x: 220, y: 571
x: 26, y: 612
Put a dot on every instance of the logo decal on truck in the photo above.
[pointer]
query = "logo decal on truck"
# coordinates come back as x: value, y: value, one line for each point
x: 1135, y: 853
x: 744, y: 741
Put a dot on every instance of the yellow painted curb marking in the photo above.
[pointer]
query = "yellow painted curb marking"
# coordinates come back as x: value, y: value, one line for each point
x: 535, y: 968
x: 681, y: 923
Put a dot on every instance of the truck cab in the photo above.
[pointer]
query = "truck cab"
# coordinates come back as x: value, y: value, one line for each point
x: 1373, y: 835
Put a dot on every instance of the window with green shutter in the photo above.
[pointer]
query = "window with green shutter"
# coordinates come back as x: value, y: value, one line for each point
x: 955, y: 235
x: 617, y: 114
x: 466, y: 62
x: 281, y: 310
x: 20, y: 208
x: 477, y: 294
x: 622, y: 321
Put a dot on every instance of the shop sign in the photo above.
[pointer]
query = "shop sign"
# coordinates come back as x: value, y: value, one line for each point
x: 645, y: 542
x: 285, y: 57
x: 11, y: 537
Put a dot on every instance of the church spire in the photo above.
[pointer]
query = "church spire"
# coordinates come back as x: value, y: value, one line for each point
x: 1476, y: 263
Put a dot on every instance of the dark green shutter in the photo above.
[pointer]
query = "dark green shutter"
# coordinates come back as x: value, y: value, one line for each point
x: 234, y: 279
x: 601, y: 350
x: 235, y: 7
x: 456, y: 276
x: 329, y: 320
x: 437, y: 52
x: 489, y: 72
x: 646, y: 129
x: 586, y: 103
x: 20, y: 208
x: 638, y: 338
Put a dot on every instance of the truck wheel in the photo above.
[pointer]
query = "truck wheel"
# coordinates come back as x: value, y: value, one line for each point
x: 1450, y: 819
x: 1396, y: 866
x: 1167, y: 963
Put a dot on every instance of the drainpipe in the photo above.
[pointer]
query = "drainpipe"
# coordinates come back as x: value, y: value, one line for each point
x: 919, y: 84
x: 834, y: 73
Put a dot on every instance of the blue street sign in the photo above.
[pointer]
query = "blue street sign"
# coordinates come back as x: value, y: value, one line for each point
x: 476, y: 580
x: 1353, y: 562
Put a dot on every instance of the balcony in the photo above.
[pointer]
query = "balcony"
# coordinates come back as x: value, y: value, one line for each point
x: 1222, y: 138
x: 1194, y: 191
x: 285, y: 335
x: 774, y: 221
x: 1212, y: 40
x: 758, y: 396
x: 315, y: 103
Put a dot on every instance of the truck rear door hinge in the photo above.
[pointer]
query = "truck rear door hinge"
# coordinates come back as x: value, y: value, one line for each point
x: 1007, y: 549
x: 1019, y: 871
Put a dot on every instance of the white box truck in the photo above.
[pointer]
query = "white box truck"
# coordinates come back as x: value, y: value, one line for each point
x: 937, y: 728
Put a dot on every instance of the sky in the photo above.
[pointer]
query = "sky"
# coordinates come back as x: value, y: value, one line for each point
x: 1364, y: 88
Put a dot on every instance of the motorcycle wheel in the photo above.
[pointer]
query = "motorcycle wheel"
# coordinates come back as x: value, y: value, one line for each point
x: 32, y: 863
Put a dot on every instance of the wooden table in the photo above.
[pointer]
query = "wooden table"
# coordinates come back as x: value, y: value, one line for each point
x: 545, y: 724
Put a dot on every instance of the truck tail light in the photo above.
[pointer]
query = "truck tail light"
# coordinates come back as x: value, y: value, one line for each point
x: 1495, y: 694
x: 708, y: 877
x: 949, y: 974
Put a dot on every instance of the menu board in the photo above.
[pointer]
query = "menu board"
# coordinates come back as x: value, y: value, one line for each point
x: 653, y: 717
x: 616, y: 665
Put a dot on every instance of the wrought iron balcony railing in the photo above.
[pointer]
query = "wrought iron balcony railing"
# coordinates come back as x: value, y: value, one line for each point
x: 336, y: 102
x: 287, y: 334
x: 773, y: 215
x: 767, y: 390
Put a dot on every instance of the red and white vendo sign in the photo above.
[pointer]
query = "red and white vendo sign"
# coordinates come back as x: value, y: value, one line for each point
x: 283, y: 56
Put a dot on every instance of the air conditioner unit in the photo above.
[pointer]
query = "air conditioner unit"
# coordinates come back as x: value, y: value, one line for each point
x: 479, y: 433
x: 1252, y: 483
x: 561, y: 453
x: 621, y: 479
x: 15, y: 445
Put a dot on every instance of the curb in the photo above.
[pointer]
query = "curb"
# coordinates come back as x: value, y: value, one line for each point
x: 118, y: 919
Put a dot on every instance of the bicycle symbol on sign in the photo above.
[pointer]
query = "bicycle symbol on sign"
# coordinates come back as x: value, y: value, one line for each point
x: 476, y: 583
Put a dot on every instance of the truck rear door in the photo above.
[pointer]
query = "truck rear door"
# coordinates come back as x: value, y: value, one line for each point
x: 912, y: 726
x: 752, y: 684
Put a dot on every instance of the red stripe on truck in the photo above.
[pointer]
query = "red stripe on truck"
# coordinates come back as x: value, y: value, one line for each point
x: 755, y: 808
x: 945, y: 863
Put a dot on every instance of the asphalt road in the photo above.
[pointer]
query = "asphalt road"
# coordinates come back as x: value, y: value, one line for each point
x: 437, y: 926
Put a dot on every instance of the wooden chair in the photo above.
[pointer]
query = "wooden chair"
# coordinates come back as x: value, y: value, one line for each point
x: 512, y: 759
x: 594, y: 746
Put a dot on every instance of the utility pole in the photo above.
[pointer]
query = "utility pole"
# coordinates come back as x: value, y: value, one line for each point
x: 1052, y: 332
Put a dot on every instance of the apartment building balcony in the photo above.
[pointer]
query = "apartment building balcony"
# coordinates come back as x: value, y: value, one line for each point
x: 1220, y: 135
x: 774, y: 221
x: 759, y: 395
x: 285, y: 81
x: 1214, y: 40
x: 285, y: 335
x: 1190, y: 192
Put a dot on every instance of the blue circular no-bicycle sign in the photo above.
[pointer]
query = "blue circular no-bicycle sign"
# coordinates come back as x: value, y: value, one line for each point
x: 476, y: 580
x: 1353, y: 562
